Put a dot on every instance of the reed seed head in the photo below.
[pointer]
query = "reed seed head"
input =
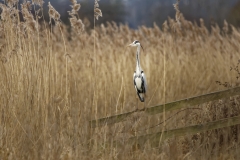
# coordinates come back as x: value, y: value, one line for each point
x: 75, y: 22
x: 38, y: 2
x: 11, y: 3
x: 76, y: 7
x: 97, y: 11
x: 73, y: 1
x: 53, y: 14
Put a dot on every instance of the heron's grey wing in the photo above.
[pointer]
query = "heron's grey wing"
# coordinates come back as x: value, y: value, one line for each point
x: 144, y: 82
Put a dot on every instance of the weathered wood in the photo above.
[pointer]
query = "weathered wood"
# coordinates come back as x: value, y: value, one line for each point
x: 169, y: 106
x: 154, y: 139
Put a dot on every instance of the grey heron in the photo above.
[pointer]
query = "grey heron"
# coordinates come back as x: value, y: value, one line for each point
x: 139, y: 79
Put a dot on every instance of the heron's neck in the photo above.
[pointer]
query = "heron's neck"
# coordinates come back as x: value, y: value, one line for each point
x: 138, y: 67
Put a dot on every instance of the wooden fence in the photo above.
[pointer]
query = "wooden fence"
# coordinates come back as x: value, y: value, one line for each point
x: 155, y: 137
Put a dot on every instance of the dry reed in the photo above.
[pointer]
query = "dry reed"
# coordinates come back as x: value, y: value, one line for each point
x: 50, y: 88
x: 74, y: 20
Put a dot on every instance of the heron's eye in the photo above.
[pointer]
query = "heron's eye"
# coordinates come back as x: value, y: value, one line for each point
x: 135, y: 42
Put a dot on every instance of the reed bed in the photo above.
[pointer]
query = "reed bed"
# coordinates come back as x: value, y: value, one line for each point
x: 53, y: 82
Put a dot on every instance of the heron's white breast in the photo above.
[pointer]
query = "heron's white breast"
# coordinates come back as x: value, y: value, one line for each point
x: 138, y: 82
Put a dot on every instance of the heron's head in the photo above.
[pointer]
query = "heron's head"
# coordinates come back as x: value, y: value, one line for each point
x: 135, y: 43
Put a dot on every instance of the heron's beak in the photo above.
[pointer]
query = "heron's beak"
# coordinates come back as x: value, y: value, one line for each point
x: 129, y: 45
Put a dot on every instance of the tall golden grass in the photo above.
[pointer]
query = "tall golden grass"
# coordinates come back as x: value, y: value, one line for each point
x: 52, y: 84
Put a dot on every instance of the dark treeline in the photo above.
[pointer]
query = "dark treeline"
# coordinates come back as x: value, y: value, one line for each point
x: 146, y: 12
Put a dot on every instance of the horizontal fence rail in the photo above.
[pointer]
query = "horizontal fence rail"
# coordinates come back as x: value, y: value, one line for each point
x: 169, y: 106
x: 154, y: 139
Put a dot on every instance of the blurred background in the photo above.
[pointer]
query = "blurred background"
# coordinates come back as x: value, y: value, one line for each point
x: 145, y: 12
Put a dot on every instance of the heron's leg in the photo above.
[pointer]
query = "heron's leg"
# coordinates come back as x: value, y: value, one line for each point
x: 144, y: 108
x: 136, y: 105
